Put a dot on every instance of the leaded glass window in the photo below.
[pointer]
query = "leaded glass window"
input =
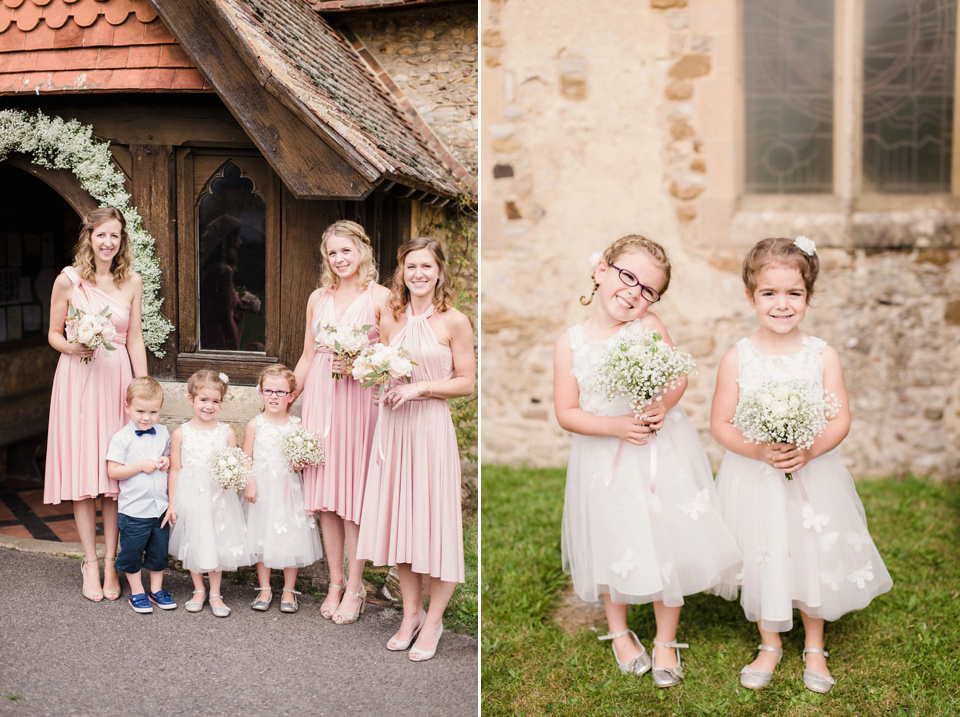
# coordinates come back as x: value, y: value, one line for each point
x: 788, y: 84
x: 908, y: 81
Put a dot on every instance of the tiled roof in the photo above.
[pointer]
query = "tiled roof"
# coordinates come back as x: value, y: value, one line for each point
x: 320, y: 75
x: 90, y: 46
x: 348, y: 5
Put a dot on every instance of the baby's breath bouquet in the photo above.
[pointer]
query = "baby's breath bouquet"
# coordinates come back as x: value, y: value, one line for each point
x: 302, y: 447
x: 231, y: 468
x: 793, y: 412
x: 345, y: 340
x: 641, y: 366
x: 377, y: 365
x: 91, y: 330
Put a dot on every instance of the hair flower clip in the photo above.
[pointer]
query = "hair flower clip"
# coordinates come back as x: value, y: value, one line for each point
x: 595, y: 259
x: 224, y: 377
x: 807, y: 246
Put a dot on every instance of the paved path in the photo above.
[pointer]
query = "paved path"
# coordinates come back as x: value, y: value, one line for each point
x: 63, y: 655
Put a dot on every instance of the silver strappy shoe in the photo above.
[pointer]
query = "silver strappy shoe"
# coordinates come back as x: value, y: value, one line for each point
x: 639, y: 664
x: 814, y: 680
x: 758, y: 679
x: 217, y: 610
x: 262, y: 605
x: 290, y: 606
x: 668, y: 676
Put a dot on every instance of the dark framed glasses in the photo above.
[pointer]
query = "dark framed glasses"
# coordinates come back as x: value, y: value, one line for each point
x: 273, y: 392
x: 631, y: 280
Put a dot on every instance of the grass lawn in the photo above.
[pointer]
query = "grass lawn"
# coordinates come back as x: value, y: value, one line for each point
x: 899, y: 656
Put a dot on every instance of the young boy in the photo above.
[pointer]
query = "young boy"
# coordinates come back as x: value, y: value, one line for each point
x: 138, y: 457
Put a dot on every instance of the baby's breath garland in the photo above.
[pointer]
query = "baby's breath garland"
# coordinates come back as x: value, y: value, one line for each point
x: 55, y: 143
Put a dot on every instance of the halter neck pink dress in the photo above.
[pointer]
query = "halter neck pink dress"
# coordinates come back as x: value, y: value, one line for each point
x: 86, y: 406
x: 341, y: 411
x: 411, y: 509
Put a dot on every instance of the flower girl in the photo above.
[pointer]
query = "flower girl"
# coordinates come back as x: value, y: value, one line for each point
x: 794, y: 510
x: 208, y: 531
x: 633, y: 533
x: 281, y: 533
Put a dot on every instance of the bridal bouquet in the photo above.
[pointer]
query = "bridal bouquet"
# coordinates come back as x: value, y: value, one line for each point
x: 302, y: 447
x: 345, y: 340
x: 93, y: 331
x: 641, y: 366
x: 231, y: 468
x: 793, y: 412
x: 377, y: 365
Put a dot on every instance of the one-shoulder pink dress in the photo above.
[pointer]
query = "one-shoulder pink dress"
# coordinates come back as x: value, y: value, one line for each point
x: 343, y: 412
x: 86, y: 406
x: 411, y: 509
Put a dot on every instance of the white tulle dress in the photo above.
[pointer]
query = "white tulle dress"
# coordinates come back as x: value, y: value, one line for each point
x: 623, y: 534
x: 209, y: 533
x: 280, y: 531
x: 804, y: 542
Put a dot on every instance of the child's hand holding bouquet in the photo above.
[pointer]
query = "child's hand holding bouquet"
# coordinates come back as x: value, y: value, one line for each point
x: 302, y: 448
x: 231, y: 469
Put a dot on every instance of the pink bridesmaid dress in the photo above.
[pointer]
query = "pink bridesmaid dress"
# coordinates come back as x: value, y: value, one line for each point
x: 343, y: 413
x: 411, y: 510
x: 86, y: 406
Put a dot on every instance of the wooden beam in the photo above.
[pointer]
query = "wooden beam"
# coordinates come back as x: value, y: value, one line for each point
x: 308, y: 166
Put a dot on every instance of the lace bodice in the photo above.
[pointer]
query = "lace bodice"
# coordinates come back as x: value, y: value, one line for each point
x: 587, y: 356
x: 268, y: 443
x: 756, y: 368
x: 199, y: 446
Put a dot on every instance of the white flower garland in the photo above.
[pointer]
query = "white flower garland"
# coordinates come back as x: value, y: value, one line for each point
x: 57, y: 144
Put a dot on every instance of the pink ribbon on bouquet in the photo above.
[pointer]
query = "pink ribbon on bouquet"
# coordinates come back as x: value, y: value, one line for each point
x: 380, y: 424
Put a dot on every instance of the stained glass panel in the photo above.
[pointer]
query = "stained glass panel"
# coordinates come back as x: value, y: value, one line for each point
x: 788, y: 83
x: 909, y: 56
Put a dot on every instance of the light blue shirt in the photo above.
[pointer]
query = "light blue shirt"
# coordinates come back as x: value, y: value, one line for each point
x: 143, y: 495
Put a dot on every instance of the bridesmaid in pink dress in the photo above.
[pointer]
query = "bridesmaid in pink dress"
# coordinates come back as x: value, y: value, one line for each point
x: 339, y: 409
x: 86, y: 404
x: 411, y: 508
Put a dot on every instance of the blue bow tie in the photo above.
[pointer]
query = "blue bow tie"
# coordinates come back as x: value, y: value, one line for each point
x: 152, y: 431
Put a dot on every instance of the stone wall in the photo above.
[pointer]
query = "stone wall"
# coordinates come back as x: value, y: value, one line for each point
x: 627, y: 123
x: 431, y: 55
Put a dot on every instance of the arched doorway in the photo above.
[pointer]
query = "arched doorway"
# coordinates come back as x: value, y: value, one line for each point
x: 37, y: 237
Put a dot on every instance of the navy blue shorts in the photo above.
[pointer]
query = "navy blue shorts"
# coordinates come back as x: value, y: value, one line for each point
x: 139, y: 535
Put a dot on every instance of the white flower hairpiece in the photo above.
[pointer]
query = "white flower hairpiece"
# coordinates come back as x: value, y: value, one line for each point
x: 224, y: 377
x: 595, y: 259
x: 807, y: 246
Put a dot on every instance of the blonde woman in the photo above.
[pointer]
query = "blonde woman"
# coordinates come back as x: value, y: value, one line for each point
x: 86, y: 404
x: 335, y: 405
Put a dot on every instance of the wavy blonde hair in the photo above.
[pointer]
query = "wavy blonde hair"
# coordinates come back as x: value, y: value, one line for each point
x: 779, y: 252
x: 400, y: 294
x: 83, y: 262
x: 206, y: 378
x: 367, y: 269
x: 278, y: 370
x: 633, y: 242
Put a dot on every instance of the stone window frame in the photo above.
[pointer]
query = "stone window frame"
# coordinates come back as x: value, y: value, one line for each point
x: 848, y: 193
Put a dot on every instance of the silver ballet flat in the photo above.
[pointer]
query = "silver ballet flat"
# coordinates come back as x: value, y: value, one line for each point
x: 196, y: 605
x: 262, y: 605
x: 758, y: 679
x: 290, y: 606
x: 219, y: 611
x: 814, y: 680
x: 639, y: 664
x: 668, y: 676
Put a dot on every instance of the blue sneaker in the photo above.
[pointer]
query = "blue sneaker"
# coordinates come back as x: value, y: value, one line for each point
x: 140, y: 603
x: 163, y: 600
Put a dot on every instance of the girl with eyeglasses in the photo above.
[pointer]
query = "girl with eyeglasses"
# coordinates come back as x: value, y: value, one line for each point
x: 280, y: 532
x: 633, y: 533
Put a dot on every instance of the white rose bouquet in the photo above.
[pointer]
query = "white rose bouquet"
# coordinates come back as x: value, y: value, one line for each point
x: 302, y: 447
x: 93, y: 331
x: 231, y: 468
x: 641, y: 366
x: 793, y: 412
x: 377, y: 365
x: 345, y: 340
